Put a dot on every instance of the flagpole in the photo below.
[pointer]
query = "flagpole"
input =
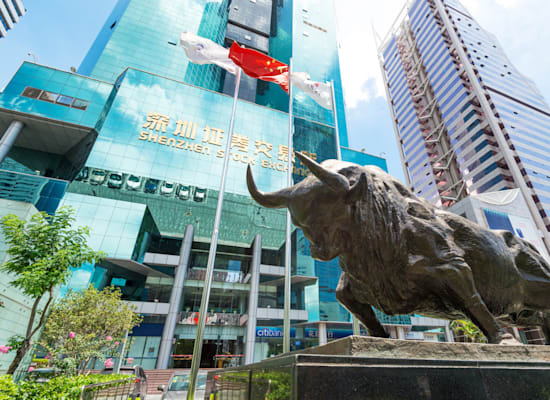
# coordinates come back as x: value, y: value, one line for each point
x: 336, y: 130
x: 197, y: 350
x: 355, y: 321
x: 288, y: 246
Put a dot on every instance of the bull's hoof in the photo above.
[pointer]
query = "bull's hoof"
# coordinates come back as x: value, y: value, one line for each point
x: 507, y: 339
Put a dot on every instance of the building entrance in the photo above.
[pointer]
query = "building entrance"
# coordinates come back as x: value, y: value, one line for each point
x: 215, y: 353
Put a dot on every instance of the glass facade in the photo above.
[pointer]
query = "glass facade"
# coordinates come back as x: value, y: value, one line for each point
x: 136, y: 143
x: 466, y: 119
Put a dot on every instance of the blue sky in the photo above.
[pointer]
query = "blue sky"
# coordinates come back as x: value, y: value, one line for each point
x: 59, y: 32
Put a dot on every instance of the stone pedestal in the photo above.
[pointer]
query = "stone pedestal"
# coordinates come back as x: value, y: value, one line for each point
x: 384, y: 369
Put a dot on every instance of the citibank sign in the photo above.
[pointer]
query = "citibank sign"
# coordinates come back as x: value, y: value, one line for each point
x: 273, y: 332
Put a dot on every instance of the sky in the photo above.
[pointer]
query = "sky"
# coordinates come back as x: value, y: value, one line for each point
x: 58, y: 33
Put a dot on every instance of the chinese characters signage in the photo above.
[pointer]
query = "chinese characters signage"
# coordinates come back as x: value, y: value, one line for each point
x: 207, y: 141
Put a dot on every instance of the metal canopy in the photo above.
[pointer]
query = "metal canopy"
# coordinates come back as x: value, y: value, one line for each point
x: 44, y: 134
x: 139, y: 268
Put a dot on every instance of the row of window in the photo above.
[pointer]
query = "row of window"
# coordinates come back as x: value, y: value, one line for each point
x: 55, y: 98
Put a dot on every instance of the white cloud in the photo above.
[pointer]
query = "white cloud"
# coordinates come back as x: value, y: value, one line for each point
x: 358, y: 53
x: 520, y: 26
x: 510, y: 3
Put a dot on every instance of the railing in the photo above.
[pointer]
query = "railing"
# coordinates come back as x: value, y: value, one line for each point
x: 116, y: 390
x: 219, y: 276
x: 191, y: 318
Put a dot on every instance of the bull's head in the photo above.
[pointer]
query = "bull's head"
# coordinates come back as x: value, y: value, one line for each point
x: 320, y: 205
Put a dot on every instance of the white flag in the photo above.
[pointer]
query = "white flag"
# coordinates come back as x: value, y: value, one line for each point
x: 204, y: 51
x: 320, y: 92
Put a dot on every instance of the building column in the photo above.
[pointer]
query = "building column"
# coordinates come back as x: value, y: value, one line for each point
x: 165, y: 349
x: 7, y: 141
x: 448, y: 334
x: 322, y: 333
x: 400, y: 332
x: 253, y: 300
x: 355, y: 326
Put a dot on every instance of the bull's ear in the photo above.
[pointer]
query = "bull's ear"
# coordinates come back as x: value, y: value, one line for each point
x: 358, y: 190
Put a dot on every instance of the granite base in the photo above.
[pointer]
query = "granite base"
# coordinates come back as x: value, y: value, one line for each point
x: 385, y: 369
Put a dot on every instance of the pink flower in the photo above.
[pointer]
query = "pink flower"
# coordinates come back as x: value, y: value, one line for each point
x: 30, y: 369
x: 117, y: 343
x: 109, y: 338
x: 129, y: 360
x: 72, y: 335
x: 47, y: 357
x: 4, y: 349
x: 108, y: 363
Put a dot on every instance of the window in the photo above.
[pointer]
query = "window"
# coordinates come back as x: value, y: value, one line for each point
x: 31, y: 92
x: 80, y: 104
x: 64, y: 100
x: 498, y: 220
x: 55, y: 98
x: 48, y: 96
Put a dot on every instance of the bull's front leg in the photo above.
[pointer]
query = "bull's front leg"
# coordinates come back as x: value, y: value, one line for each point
x: 363, y: 312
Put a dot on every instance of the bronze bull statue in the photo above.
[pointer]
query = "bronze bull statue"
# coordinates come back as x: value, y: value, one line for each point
x: 403, y: 255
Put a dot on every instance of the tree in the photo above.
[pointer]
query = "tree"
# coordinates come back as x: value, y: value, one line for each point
x: 87, y: 324
x: 41, y: 251
x: 468, y: 331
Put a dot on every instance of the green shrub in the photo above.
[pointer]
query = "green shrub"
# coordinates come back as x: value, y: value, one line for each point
x: 8, y: 389
x: 58, y: 388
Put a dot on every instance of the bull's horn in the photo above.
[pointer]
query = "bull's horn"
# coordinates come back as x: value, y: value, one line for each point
x: 334, y: 180
x: 278, y: 199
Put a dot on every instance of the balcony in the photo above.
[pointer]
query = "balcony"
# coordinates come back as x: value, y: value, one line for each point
x: 278, y: 313
x: 44, y: 193
x: 198, y: 274
x: 226, y: 319
x: 146, y: 307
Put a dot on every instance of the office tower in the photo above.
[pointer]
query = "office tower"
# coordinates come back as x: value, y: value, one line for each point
x: 466, y: 120
x: 10, y: 11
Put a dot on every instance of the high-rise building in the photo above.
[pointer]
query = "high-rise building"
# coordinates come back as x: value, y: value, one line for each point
x: 134, y: 143
x: 466, y: 120
x: 10, y: 12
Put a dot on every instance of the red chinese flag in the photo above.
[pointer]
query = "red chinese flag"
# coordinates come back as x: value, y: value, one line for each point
x: 258, y: 65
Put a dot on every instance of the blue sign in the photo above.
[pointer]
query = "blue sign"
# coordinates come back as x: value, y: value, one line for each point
x: 273, y: 332
x: 331, y: 333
